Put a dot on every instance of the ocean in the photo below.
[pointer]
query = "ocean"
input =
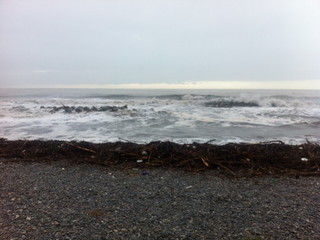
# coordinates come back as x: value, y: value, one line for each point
x: 142, y: 116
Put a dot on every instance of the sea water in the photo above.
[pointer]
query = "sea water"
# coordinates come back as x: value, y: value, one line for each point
x: 183, y: 116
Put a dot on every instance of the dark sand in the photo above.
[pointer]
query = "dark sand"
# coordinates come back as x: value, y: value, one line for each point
x: 63, y: 200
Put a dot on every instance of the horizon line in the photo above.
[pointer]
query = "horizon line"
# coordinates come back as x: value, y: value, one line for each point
x: 267, y: 89
x: 201, y: 85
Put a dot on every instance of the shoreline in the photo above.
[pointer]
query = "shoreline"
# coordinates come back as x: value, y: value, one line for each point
x: 233, y: 159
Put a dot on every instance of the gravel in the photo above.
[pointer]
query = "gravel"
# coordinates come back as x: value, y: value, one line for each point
x: 61, y: 200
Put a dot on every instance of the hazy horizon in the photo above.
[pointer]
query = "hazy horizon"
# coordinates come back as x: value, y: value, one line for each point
x: 288, y: 85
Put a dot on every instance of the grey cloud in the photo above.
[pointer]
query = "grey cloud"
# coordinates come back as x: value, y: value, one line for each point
x: 109, y: 42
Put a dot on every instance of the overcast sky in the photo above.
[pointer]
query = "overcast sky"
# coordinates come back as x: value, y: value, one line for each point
x: 134, y: 43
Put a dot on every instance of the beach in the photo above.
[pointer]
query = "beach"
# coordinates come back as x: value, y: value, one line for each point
x: 159, y: 120
x: 65, y: 200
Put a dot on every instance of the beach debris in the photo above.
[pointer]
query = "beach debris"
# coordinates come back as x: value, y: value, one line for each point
x: 211, y: 140
x: 273, y: 180
x: 233, y: 159
x: 144, y: 153
x: 188, y: 187
x: 82, y: 148
x: 144, y: 173
x: 95, y: 213
x: 205, y: 162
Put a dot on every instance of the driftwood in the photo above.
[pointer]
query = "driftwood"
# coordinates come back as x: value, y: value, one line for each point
x: 232, y: 159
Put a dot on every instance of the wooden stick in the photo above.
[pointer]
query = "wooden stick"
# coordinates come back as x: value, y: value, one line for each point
x: 85, y: 149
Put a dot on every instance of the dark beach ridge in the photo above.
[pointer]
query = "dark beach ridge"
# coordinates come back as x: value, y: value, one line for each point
x: 233, y: 159
x: 160, y: 190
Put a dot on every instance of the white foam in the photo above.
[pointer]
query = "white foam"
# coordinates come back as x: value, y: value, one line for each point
x: 183, y: 120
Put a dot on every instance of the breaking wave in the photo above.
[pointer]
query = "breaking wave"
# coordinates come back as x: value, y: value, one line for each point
x: 99, y: 116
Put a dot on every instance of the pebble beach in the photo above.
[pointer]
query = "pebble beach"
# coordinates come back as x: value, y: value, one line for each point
x: 64, y: 200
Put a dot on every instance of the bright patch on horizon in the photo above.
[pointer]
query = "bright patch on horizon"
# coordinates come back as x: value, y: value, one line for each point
x: 308, y: 84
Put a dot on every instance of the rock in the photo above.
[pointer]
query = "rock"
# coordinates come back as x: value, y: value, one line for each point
x: 78, y: 109
x: 230, y: 104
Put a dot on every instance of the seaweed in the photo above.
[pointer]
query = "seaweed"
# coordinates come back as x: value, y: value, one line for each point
x: 233, y: 159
